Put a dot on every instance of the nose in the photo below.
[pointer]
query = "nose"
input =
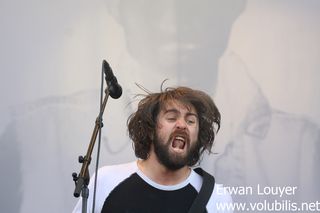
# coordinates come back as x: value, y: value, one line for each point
x: 181, y: 124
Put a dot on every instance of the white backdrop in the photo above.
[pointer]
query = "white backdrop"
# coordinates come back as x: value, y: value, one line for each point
x: 258, y: 60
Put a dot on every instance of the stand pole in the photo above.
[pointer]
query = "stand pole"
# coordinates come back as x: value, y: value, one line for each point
x: 82, y: 180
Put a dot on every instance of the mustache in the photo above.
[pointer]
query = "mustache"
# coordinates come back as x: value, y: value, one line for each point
x: 181, y: 133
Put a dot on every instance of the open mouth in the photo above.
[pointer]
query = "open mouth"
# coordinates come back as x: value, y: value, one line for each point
x: 179, y: 142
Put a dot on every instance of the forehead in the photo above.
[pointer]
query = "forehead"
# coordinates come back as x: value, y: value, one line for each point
x: 178, y: 105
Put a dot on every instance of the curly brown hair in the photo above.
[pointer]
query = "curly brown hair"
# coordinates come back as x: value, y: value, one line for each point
x: 142, y: 123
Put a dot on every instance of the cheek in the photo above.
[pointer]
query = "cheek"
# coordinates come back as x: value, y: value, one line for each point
x: 159, y: 126
x: 195, y: 133
x: 160, y: 130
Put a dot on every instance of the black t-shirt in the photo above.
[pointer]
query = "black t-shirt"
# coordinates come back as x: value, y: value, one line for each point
x: 134, y: 195
x: 124, y: 188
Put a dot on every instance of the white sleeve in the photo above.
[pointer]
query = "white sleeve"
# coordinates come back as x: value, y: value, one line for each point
x: 108, y: 178
x: 220, y: 200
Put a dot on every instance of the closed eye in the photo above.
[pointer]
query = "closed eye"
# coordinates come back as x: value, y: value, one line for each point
x: 171, y: 119
x: 191, y: 121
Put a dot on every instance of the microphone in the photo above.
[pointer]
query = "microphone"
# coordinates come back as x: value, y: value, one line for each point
x: 115, y: 90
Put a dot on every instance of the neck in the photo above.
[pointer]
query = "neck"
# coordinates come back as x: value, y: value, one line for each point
x: 157, y: 172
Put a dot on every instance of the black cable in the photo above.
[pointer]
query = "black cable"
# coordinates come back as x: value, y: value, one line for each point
x: 99, y: 142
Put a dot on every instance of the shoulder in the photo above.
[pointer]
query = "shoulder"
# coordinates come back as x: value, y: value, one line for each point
x: 112, y: 175
x: 121, y: 169
x: 108, y: 178
x: 219, y: 196
x: 220, y: 193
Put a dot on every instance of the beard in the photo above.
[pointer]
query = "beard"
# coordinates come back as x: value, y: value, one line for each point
x: 171, y: 160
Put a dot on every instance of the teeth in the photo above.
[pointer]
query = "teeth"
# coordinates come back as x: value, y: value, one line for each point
x: 179, y: 138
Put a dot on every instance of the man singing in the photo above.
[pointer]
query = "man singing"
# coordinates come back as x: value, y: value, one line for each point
x: 170, y: 131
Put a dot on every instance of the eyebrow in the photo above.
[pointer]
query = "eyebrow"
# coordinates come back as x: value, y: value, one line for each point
x: 178, y: 112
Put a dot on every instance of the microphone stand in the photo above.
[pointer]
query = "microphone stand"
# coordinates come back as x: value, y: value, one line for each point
x: 82, y: 181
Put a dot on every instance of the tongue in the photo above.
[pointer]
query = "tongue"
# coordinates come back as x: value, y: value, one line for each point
x: 178, y: 144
